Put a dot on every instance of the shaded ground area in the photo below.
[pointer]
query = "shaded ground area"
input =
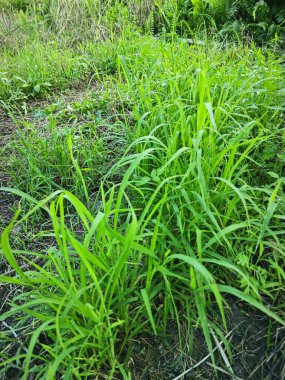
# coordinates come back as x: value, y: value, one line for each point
x: 257, y: 347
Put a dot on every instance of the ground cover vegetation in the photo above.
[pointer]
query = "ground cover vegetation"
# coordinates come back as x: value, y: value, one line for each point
x: 142, y: 156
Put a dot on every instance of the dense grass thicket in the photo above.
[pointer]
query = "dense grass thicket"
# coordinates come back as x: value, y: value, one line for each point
x: 152, y: 200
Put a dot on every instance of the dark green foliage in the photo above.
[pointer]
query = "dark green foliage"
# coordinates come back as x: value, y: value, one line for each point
x: 260, y: 19
x: 16, y: 4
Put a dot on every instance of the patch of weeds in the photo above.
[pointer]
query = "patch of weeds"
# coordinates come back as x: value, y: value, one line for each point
x: 43, y: 159
x: 88, y: 109
x: 102, y: 59
x: 37, y: 69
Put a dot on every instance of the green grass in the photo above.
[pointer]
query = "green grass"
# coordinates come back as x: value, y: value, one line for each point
x: 159, y: 196
x: 40, y: 68
x: 31, y: 71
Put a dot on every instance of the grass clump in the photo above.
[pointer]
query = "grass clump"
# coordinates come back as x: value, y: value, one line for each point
x: 160, y: 196
x: 188, y: 223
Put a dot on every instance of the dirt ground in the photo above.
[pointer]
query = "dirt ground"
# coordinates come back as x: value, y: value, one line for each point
x: 257, y: 354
